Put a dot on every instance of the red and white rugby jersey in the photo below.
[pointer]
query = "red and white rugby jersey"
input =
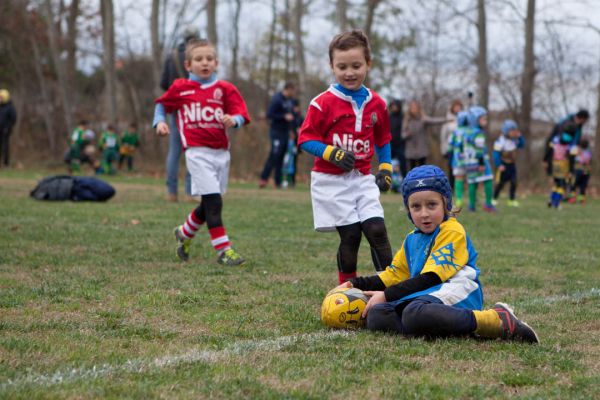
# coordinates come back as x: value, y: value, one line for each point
x: 199, y: 109
x: 334, y: 119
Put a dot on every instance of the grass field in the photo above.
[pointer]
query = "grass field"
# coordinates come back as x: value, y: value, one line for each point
x: 94, y: 304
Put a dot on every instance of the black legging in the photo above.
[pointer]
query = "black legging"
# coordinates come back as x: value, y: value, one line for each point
x: 210, y: 209
x: 350, y: 237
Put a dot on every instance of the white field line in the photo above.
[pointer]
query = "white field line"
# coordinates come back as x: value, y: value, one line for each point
x: 190, y: 357
x: 575, y: 296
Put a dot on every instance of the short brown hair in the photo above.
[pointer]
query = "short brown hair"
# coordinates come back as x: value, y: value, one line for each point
x: 349, y: 40
x: 194, y: 43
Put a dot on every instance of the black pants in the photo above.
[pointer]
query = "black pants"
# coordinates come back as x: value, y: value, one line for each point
x: 4, y: 146
x: 279, y: 142
x: 448, y: 156
x: 398, y: 154
x: 581, y: 181
x: 422, y: 316
x: 129, y: 161
x: 508, y: 175
x: 416, y: 162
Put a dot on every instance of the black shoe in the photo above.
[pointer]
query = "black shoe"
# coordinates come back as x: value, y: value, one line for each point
x: 512, y: 327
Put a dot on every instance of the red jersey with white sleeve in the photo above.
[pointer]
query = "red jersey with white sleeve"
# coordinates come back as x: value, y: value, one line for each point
x: 200, y: 108
x: 334, y: 119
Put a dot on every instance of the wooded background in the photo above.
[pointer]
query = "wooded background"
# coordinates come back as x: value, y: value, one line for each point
x: 100, y: 60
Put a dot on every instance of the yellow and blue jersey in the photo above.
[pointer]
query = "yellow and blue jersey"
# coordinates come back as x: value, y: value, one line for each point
x: 447, y: 252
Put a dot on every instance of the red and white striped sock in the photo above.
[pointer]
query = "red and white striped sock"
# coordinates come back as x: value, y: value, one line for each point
x: 219, y: 239
x: 191, y: 225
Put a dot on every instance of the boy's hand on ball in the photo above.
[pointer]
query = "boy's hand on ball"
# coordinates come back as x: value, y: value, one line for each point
x: 377, y: 297
x: 342, y: 158
x: 345, y: 285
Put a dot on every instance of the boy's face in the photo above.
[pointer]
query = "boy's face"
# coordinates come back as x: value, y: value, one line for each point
x: 350, y: 67
x: 483, y: 121
x: 427, y: 210
x: 203, y: 62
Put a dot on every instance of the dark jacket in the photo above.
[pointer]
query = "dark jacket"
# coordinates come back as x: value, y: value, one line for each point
x: 8, y: 117
x: 397, y: 142
x: 174, y: 67
x: 280, y: 105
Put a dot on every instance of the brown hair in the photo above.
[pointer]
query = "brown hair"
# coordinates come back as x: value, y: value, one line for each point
x: 191, y: 44
x: 350, y: 40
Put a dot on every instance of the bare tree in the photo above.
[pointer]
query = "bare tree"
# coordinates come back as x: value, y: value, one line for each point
x: 342, y: 14
x: 299, y: 9
x: 271, y: 53
x: 236, y: 41
x: 528, y: 77
x: 58, y: 65
x: 483, y: 73
x: 156, y: 45
x: 211, y: 23
x: 71, y: 40
x: 108, y: 42
x: 371, y: 6
x: 44, y: 92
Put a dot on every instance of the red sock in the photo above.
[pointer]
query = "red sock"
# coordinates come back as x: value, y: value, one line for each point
x: 343, y: 276
x: 191, y: 225
x: 219, y: 239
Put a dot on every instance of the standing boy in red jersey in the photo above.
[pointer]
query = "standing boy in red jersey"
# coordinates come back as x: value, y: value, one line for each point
x: 344, y: 127
x: 205, y: 108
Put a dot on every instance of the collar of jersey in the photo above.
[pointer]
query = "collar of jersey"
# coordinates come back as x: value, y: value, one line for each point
x: 204, y: 82
x: 346, y: 94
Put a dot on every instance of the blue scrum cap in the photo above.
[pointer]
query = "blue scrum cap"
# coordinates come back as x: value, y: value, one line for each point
x: 509, y: 125
x: 475, y: 113
x: 427, y: 177
x: 462, y: 119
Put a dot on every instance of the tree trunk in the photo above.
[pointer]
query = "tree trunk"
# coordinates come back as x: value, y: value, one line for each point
x: 483, y: 73
x: 110, y: 76
x: 288, y: 45
x: 527, y: 81
x: 236, y: 41
x: 342, y: 14
x: 597, y: 141
x: 211, y: 23
x: 156, y: 46
x: 299, y: 47
x: 46, y: 100
x: 270, y: 55
x: 58, y: 65
x: 371, y: 6
x: 71, y: 42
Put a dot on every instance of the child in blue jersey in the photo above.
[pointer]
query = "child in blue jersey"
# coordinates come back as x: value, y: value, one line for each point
x: 505, y: 160
x: 432, y: 286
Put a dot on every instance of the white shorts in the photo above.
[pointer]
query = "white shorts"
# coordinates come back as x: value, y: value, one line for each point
x: 209, y: 169
x: 339, y: 200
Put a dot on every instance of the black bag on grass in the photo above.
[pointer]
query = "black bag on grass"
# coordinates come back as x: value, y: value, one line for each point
x: 76, y: 188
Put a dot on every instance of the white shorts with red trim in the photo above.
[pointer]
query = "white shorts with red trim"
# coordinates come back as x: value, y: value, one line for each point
x: 339, y: 200
x: 209, y: 169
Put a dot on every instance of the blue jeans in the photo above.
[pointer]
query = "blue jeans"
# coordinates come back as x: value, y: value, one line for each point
x: 279, y: 143
x: 173, y: 156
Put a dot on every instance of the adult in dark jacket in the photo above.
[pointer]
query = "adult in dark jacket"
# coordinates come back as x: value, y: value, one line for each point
x: 398, y: 142
x: 579, y: 119
x: 174, y: 68
x: 282, y: 115
x: 8, y: 117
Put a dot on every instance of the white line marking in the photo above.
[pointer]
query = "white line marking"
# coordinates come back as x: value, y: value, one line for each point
x: 575, y: 296
x: 190, y: 357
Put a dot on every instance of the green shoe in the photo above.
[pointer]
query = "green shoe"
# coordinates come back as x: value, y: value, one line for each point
x: 183, y: 245
x: 230, y: 257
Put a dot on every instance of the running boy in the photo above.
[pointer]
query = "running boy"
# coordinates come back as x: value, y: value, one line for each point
x: 205, y: 108
x: 344, y: 126
x: 432, y: 288
x: 505, y: 158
